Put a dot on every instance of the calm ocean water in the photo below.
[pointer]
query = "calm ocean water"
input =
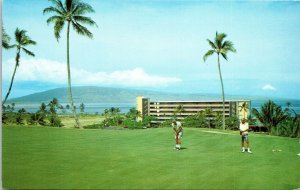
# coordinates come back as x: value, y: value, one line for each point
x: 90, y: 108
x: 93, y: 108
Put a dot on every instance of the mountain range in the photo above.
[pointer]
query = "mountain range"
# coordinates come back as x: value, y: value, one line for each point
x: 92, y: 94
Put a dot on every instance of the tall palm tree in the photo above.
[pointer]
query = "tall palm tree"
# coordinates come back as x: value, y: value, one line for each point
x: 70, y: 13
x: 244, y: 108
x: 5, y: 39
x: 220, y: 47
x: 21, y: 41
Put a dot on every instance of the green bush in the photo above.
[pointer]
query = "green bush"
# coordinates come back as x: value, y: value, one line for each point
x: 93, y: 126
x: 232, y: 123
x: 198, y: 121
x: 54, y: 121
x: 132, y: 124
x: 19, y: 118
x: 167, y: 123
x: 37, y: 118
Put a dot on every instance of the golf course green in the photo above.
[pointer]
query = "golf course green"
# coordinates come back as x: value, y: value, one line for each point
x: 59, y: 158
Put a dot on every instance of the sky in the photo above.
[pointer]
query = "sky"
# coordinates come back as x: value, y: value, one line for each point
x: 159, y: 45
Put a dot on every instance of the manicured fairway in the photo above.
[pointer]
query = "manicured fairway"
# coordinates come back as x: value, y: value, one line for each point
x: 53, y: 158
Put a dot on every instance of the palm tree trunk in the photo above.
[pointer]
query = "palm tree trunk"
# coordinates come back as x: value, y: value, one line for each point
x: 13, y: 76
x: 223, y: 96
x: 77, y: 124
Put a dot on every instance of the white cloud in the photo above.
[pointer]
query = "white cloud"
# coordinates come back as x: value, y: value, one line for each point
x: 43, y: 70
x: 269, y: 87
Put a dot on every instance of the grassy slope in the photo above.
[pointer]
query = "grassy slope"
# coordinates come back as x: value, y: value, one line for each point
x: 69, y: 158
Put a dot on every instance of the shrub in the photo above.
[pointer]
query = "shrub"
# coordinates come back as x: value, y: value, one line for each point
x: 19, y: 118
x: 132, y: 124
x: 54, y: 121
x: 147, y: 120
x: 232, y: 123
x: 167, y: 123
x: 93, y: 126
x: 37, y: 118
x: 199, y: 121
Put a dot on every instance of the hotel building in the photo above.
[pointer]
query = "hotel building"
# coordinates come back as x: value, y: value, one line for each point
x: 166, y: 110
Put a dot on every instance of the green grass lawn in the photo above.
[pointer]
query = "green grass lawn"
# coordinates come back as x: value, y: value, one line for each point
x: 89, y: 119
x: 59, y: 158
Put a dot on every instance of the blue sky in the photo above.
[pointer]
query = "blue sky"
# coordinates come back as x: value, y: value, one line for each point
x: 159, y: 45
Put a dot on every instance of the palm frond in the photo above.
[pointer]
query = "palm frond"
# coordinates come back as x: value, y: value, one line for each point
x: 221, y: 36
x: 69, y: 4
x: 208, y: 53
x: 81, y: 30
x: 28, y: 52
x: 52, y: 10
x: 59, y: 5
x: 84, y: 20
x: 19, y: 34
x: 219, y: 39
x: 5, y: 39
x: 212, y: 45
x: 82, y: 8
x: 28, y: 41
x: 228, y: 46
x: 53, y: 19
x: 58, y: 26
x: 224, y: 56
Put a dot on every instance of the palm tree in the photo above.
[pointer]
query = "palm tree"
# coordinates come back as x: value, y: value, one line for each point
x: 81, y: 107
x: 22, y: 40
x: 5, y: 39
x: 220, y: 47
x: 209, y: 114
x: 179, y: 109
x: 54, y: 105
x: 244, y: 108
x: 71, y: 13
x: 270, y: 115
x: 43, y: 108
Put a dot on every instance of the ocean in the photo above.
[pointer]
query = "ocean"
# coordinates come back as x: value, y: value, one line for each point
x: 99, y: 108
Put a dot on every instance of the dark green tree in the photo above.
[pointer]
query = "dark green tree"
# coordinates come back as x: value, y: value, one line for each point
x: 270, y: 115
x: 81, y: 107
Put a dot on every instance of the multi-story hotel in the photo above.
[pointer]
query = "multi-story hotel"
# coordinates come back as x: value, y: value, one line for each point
x: 166, y: 110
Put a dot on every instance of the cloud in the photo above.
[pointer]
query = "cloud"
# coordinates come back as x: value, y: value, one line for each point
x: 269, y: 87
x: 43, y: 70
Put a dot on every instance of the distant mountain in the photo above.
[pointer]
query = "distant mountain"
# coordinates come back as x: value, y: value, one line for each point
x: 90, y: 94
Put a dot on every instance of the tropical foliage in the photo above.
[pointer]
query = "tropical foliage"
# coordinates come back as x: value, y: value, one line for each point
x: 5, y: 39
x: 244, y: 108
x: 270, y: 115
x: 220, y: 47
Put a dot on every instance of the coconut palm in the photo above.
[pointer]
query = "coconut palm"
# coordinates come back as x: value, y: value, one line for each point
x: 270, y: 115
x: 5, y: 39
x: 70, y: 13
x: 81, y: 107
x: 220, y: 47
x: 21, y: 41
x: 179, y: 109
x: 244, y: 108
x: 209, y: 114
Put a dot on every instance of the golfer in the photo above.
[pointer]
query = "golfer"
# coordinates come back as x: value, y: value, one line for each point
x: 178, y: 131
x: 244, y: 128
